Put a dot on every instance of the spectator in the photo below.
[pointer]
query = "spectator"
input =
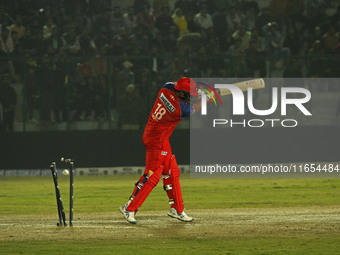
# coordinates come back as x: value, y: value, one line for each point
x: 102, y: 110
x: 273, y: 42
x: 315, y: 36
x: 157, y: 60
x: 32, y: 92
x: 60, y: 17
x: 122, y: 37
x: 117, y: 20
x: 129, y: 19
x: 86, y: 44
x: 164, y: 21
x: 203, y: 19
x: 93, y: 99
x: 35, y: 24
x: 216, y: 61
x: 8, y: 100
x: 6, y: 49
x: 236, y: 19
x: 46, y: 79
x: 100, y: 63
x: 143, y: 83
x: 238, y: 61
x: 220, y: 22
x: 255, y: 59
x: 102, y: 39
x: 243, y: 35
x: 202, y: 58
x: 70, y: 40
x: 18, y: 26
x: 170, y: 44
x: 89, y: 101
x: 203, y: 37
x: 26, y: 39
x: 131, y: 108
x: 192, y: 27
x: 330, y: 39
x: 47, y: 29
x: 44, y: 15
x: 6, y: 42
x: 154, y: 89
x: 146, y: 20
x: 102, y: 23
x: 60, y: 89
x: 316, y: 61
x: 54, y: 43
x: 16, y: 39
x: 255, y: 36
x: 181, y: 22
x: 292, y: 41
x: 5, y: 19
x: 172, y: 70
x: 213, y: 44
x: 38, y: 43
x: 141, y: 40
x: 263, y: 18
x: 125, y: 76
x: 158, y: 41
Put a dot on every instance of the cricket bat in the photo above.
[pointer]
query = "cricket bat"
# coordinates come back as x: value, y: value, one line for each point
x: 244, y: 85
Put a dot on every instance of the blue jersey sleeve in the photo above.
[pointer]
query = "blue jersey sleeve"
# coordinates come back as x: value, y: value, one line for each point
x: 186, y: 110
x: 169, y: 86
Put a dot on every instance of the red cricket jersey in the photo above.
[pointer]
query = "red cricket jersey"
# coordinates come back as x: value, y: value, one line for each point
x: 166, y: 113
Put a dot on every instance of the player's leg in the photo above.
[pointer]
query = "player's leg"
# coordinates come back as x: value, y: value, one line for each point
x: 144, y: 192
x: 153, y: 163
x: 139, y: 184
x: 174, y: 174
x: 167, y: 183
x: 154, y: 168
x: 129, y: 209
x: 155, y: 157
x: 178, y: 210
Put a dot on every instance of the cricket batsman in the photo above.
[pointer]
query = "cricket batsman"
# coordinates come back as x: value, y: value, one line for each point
x: 175, y: 101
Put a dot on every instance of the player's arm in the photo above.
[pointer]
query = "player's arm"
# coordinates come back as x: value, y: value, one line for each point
x: 189, y: 109
x: 196, y: 106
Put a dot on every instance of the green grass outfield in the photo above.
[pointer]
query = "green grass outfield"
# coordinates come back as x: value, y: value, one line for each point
x: 29, y: 196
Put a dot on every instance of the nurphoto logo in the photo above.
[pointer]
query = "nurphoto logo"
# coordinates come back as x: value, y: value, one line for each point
x: 282, y: 97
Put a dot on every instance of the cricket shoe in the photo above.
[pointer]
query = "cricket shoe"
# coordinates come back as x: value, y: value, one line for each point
x: 129, y: 216
x: 181, y: 216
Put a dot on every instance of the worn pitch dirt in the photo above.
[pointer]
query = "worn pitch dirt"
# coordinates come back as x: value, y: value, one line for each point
x: 214, y: 223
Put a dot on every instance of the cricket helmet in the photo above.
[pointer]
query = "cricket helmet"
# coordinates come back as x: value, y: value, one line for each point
x: 187, y: 85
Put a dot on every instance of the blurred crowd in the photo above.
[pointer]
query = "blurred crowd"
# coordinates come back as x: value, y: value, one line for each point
x: 87, y: 57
